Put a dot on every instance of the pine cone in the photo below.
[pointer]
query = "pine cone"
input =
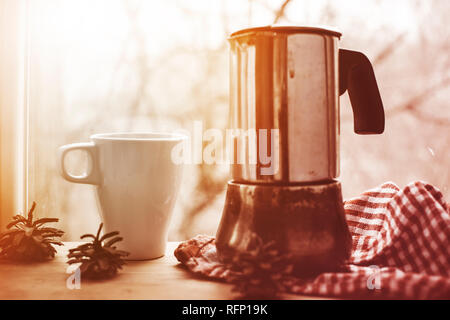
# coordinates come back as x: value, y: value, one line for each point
x: 28, y: 240
x: 261, y: 271
x: 98, y: 260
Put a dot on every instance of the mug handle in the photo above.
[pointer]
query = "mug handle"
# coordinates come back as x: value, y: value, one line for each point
x: 92, y: 176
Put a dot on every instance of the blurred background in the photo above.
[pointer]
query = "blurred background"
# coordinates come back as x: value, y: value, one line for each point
x: 129, y: 65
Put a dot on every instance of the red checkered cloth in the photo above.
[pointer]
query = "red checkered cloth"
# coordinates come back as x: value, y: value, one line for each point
x: 401, y: 248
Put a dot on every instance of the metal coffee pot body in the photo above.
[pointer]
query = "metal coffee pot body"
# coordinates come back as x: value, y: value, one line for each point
x: 285, y: 84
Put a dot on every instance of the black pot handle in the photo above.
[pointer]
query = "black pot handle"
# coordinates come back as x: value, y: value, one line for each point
x: 356, y: 75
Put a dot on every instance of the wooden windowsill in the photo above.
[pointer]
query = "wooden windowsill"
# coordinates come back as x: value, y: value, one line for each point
x: 162, y: 279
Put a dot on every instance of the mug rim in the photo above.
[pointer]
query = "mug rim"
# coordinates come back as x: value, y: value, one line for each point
x: 139, y: 136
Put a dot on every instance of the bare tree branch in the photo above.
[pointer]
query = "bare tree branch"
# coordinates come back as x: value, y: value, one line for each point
x: 281, y: 11
x: 412, y: 105
x: 389, y: 49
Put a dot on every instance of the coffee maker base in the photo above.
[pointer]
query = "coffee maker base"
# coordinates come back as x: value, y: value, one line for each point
x: 305, y: 221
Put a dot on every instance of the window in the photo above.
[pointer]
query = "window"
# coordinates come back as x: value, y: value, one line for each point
x: 124, y: 65
x: 12, y: 108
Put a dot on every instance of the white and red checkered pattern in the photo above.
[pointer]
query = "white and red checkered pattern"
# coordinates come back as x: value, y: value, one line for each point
x: 401, y: 248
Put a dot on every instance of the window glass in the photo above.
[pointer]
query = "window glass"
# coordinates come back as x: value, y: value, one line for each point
x: 115, y: 65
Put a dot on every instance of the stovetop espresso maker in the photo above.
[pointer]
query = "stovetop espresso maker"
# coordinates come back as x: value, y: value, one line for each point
x: 285, y: 84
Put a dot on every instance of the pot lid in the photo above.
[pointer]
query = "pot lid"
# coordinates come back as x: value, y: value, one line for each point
x: 288, y: 29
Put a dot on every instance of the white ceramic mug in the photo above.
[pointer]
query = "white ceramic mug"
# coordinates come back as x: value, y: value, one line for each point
x: 137, y: 184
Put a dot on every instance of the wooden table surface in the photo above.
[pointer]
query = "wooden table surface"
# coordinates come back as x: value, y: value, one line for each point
x: 162, y: 278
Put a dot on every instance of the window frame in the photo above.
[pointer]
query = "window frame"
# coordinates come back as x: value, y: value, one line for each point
x: 13, y: 107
